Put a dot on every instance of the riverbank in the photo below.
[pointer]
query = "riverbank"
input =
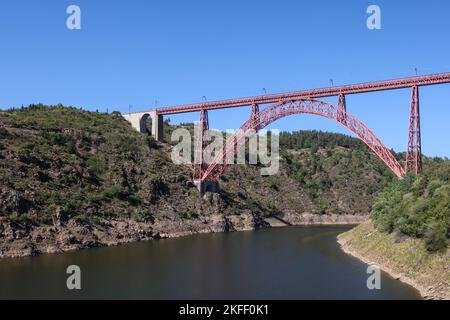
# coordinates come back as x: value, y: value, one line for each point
x: 404, y: 258
x: 30, y: 240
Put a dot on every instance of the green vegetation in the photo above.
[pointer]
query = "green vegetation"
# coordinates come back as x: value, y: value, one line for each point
x: 317, y: 139
x: 418, y: 206
x: 92, y: 165
x: 339, y: 173
x: 63, y: 159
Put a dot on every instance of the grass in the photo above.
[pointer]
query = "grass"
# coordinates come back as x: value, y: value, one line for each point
x: 403, y: 255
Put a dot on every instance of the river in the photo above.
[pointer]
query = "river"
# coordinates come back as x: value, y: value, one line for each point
x: 279, y: 263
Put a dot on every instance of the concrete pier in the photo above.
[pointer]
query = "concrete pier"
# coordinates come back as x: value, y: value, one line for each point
x: 138, y: 121
x: 207, y: 186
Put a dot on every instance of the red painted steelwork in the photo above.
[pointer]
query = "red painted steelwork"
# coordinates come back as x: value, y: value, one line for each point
x: 312, y: 94
x: 255, y: 114
x: 342, y: 108
x: 414, y: 151
x: 203, y: 127
x: 307, y: 106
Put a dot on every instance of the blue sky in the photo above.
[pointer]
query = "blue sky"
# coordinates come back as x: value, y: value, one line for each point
x: 136, y: 51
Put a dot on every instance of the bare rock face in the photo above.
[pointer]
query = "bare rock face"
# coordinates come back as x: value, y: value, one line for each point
x: 15, y: 202
x: 259, y: 222
x: 211, y: 203
x: 60, y: 217
x: 228, y: 225
x: 8, y: 233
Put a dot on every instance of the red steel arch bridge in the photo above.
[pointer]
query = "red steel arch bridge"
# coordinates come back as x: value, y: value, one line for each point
x: 301, y: 102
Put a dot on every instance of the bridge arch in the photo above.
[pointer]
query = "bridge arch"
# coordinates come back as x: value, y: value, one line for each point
x: 286, y: 108
x: 144, y: 125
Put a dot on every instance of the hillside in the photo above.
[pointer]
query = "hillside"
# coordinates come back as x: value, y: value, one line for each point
x: 72, y: 179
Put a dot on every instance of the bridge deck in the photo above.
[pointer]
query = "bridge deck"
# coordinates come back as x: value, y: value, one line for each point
x: 315, y: 93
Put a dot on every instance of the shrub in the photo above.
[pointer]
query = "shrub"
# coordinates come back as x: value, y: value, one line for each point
x: 96, y: 166
x: 274, y: 185
x: 242, y: 195
x: 4, y: 133
x: 116, y: 115
x: 55, y: 198
x: 411, y: 226
x: 144, y: 215
x: 254, y: 206
x: 18, y: 218
x: 417, y: 206
x: 436, y: 238
x: 273, y: 206
x: 134, y: 199
x: 71, y: 147
x: 26, y: 147
x: 194, y: 215
x: 151, y: 142
x: 55, y: 138
x: 112, y: 192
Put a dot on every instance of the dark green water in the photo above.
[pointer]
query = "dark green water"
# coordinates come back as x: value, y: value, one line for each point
x: 286, y: 263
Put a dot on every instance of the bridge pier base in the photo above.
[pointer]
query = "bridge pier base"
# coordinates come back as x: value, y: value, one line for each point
x: 207, y: 186
x: 158, y: 128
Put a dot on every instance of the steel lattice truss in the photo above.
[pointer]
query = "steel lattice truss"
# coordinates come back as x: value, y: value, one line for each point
x: 414, y: 151
x: 304, y: 106
x: 312, y: 94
